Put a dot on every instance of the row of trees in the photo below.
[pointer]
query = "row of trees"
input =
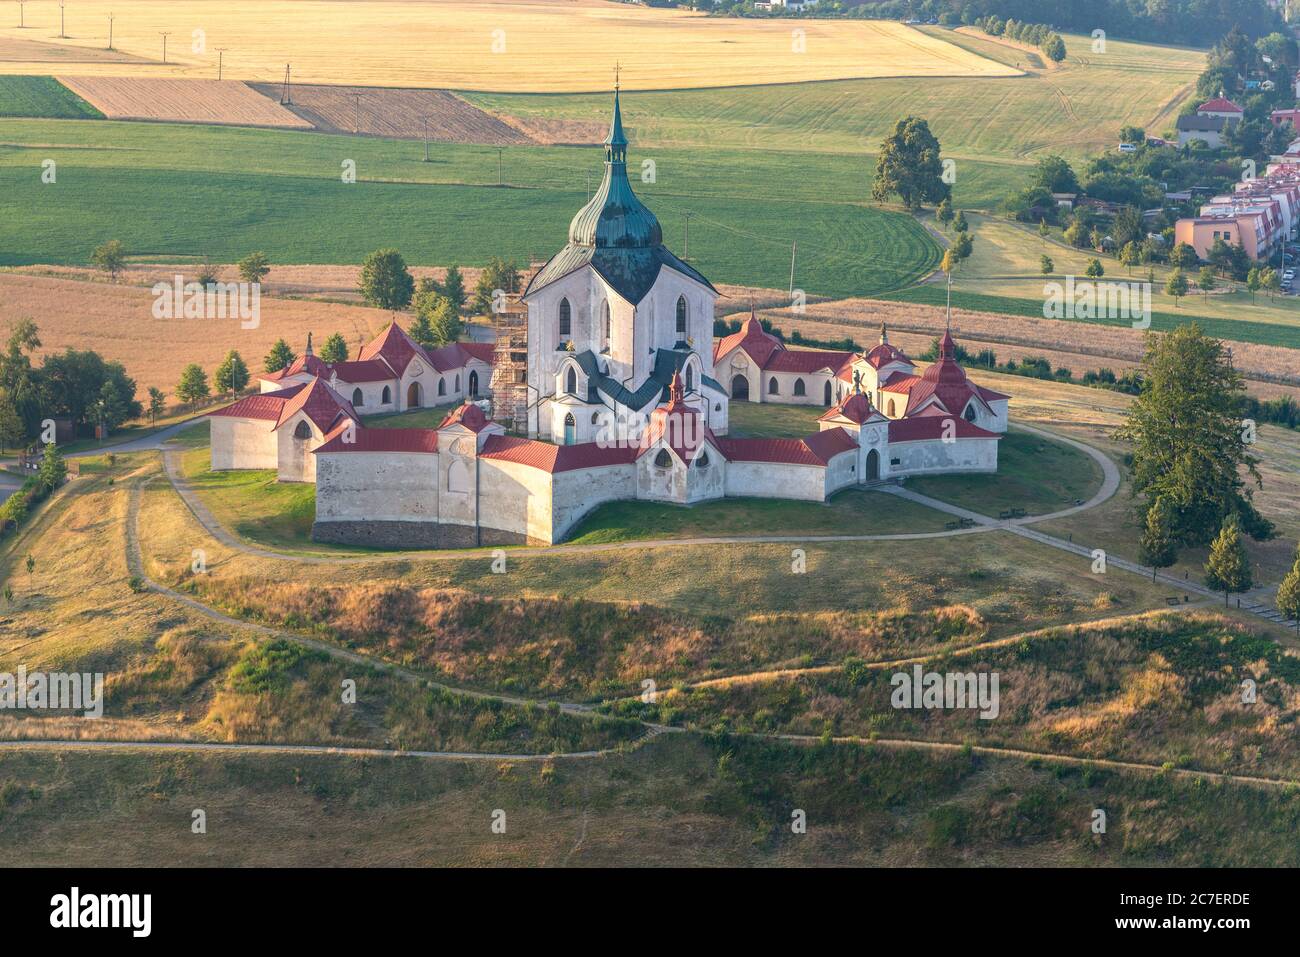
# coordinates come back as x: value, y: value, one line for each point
x: 1035, y: 34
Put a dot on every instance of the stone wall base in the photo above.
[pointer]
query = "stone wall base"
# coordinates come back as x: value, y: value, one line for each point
x: 412, y: 535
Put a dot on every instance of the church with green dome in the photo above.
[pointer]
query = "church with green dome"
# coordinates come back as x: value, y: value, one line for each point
x: 613, y: 316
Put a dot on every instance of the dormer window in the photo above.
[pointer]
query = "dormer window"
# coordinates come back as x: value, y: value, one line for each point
x: 970, y: 412
x: 571, y: 381
x: 302, y: 430
x: 690, y: 379
x: 663, y: 460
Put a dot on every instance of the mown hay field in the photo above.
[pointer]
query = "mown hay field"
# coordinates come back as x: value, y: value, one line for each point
x: 534, y: 45
x: 182, y: 101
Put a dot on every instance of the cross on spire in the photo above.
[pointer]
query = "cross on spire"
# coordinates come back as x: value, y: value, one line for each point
x: 617, y: 67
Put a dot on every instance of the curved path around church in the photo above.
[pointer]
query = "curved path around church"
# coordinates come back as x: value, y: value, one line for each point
x: 1109, y: 486
x: 135, y: 566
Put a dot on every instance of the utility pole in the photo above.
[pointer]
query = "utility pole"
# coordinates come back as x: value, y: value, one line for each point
x: 284, y: 94
x: 165, y: 34
x: 62, y: 33
x: 110, y: 29
x: 793, y: 247
x: 425, y: 121
x: 501, y: 181
x: 21, y: 24
x: 686, y: 240
x: 589, y: 186
x: 221, y: 56
x: 356, y: 116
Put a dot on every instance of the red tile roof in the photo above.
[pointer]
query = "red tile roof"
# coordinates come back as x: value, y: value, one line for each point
x: 919, y: 427
x: 309, y: 364
x: 320, y: 403
x: 806, y: 360
x: 900, y: 382
x: 680, y: 425
x: 265, y: 405
x: 816, y: 449
x: 470, y: 416
x: 756, y: 342
x: 856, y: 407
x: 1219, y: 105
x: 380, y: 440
x: 555, y: 458
x: 394, y: 346
x: 364, y: 370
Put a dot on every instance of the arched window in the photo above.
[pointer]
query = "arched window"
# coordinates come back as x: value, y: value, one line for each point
x: 690, y: 379
x: 302, y: 430
x: 388, y: 395
x: 604, y: 319
x: 442, y: 387
x: 681, y: 315
x: 595, y: 418
x: 799, y: 387
x: 356, y: 397
x: 571, y: 381
x: 891, y: 408
x: 772, y: 387
x: 970, y: 412
x: 456, y: 387
x: 663, y: 460
x: 703, y: 461
x: 566, y: 319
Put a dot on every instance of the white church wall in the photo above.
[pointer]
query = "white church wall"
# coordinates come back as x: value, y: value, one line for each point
x: 935, y: 455
x: 372, y: 395
x: 841, y: 472
x: 574, y: 494
x: 776, y: 480
x: 295, y: 461
x: 377, y: 486
x: 242, y: 444
x: 814, y: 388
x: 515, y: 499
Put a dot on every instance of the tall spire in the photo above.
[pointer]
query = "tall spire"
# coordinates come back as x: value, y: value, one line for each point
x: 308, y: 350
x: 616, y: 141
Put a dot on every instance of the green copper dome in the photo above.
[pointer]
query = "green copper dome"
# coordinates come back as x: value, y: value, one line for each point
x: 615, y: 218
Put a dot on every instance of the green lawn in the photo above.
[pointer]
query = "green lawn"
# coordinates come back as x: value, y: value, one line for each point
x: 42, y: 96
x: 420, y: 419
x: 1035, y: 474
x: 762, y: 420
x: 252, y: 504
x: 850, y: 512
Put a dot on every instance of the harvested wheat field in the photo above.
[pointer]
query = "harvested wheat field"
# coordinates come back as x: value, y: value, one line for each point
x: 226, y: 102
x: 400, y: 114
x: 116, y: 320
x: 17, y: 50
x: 555, y: 46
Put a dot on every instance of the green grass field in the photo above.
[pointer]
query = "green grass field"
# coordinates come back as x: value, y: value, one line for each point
x: 994, y: 128
x: 42, y: 96
x: 221, y: 192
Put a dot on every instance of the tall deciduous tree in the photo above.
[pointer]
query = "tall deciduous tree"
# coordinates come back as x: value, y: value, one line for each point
x: 193, y: 385
x: 498, y: 274
x: 254, y: 267
x: 1228, y: 567
x: 1288, y: 593
x: 909, y: 166
x: 110, y: 257
x: 1188, y: 440
x: 385, y: 280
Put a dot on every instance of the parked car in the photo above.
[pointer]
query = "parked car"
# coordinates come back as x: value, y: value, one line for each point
x: 1128, y: 148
